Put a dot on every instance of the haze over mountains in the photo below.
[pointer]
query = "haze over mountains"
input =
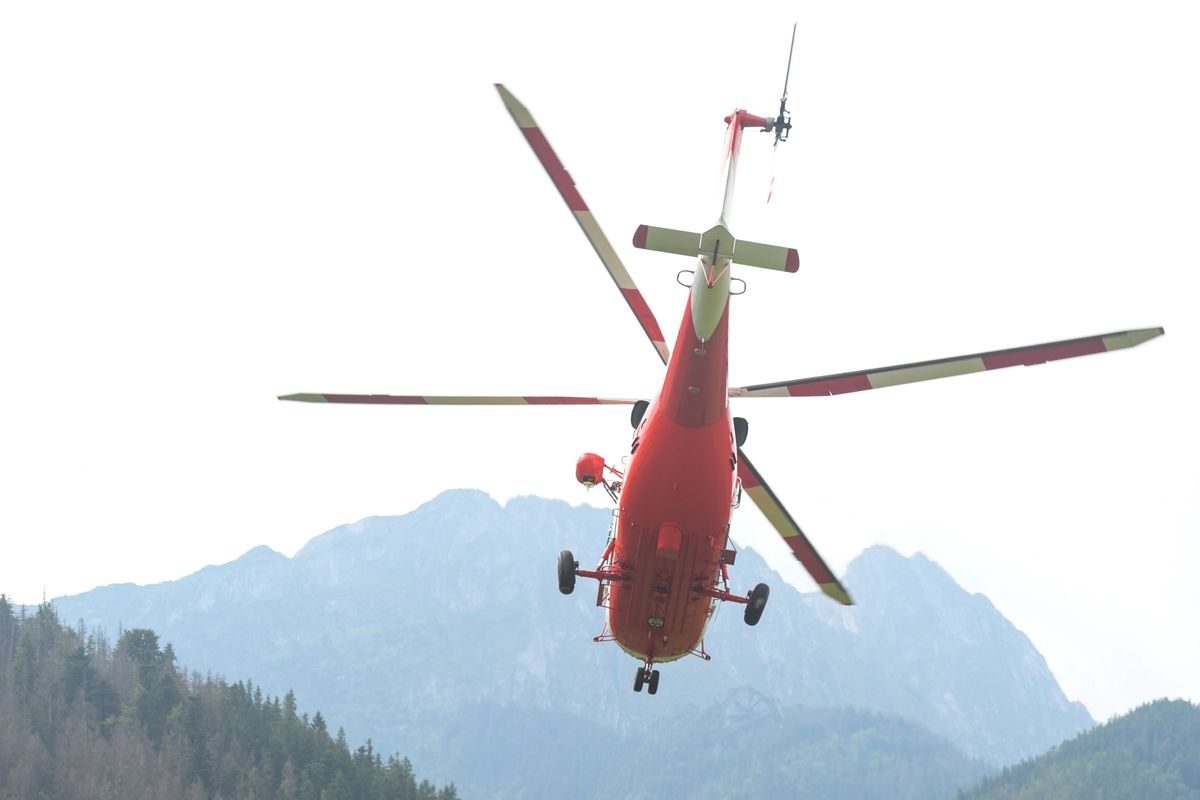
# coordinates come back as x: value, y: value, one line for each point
x: 441, y: 634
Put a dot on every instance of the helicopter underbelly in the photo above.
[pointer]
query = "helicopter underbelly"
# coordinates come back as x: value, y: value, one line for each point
x: 673, y: 527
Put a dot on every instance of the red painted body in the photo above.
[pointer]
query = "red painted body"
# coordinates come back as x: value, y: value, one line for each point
x: 676, y: 504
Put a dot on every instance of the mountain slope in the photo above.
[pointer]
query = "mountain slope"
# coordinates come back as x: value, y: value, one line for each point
x: 1151, y: 753
x: 454, y: 606
x: 951, y: 659
x: 81, y: 719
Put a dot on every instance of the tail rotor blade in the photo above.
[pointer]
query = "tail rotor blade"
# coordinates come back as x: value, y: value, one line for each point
x: 771, y: 187
x: 787, y: 75
x: 783, y: 123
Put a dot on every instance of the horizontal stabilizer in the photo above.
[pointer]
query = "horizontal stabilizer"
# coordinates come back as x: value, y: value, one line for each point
x: 686, y: 243
x: 446, y: 400
x: 667, y: 240
x: 767, y: 256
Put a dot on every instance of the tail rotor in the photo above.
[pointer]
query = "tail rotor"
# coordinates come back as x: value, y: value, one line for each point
x: 782, y: 124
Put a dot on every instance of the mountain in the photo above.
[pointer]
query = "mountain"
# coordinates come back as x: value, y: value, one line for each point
x: 80, y: 719
x: 1151, y: 753
x: 744, y: 746
x: 451, y: 613
x: 916, y: 644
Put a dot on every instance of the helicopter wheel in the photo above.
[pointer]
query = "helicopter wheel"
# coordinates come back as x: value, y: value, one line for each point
x: 639, y: 679
x: 758, y: 601
x: 652, y: 688
x: 566, y: 572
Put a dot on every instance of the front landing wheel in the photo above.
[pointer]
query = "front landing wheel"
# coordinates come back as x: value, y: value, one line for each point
x: 758, y: 601
x: 566, y: 572
x: 639, y: 679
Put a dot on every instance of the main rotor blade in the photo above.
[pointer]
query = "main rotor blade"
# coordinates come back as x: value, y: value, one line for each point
x: 451, y: 400
x: 948, y: 367
x: 566, y: 187
x: 768, y: 503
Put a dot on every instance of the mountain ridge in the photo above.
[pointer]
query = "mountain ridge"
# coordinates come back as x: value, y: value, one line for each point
x: 457, y: 602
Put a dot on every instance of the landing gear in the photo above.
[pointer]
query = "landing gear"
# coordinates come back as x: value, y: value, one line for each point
x: 758, y: 601
x: 646, y: 677
x: 566, y: 572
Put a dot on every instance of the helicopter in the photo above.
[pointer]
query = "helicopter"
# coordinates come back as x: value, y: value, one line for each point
x: 666, y: 563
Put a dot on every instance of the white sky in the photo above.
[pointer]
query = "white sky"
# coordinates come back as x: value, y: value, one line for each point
x: 206, y: 205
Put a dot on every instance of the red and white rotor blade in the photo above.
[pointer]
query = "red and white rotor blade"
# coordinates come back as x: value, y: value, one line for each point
x: 566, y: 187
x: 947, y: 367
x: 768, y: 503
x: 453, y: 400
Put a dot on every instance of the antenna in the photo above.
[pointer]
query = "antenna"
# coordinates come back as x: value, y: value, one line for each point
x: 782, y: 124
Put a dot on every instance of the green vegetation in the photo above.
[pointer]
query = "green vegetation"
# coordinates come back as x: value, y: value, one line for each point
x: 79, y: 718
x: 1151, y: 753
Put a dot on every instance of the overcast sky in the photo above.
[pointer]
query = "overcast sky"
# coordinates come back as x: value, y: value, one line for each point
x: 205, y: 205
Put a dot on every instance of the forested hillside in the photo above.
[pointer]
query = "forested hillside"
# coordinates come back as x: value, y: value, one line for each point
x: 1151, y: 753
x: 80, y: 718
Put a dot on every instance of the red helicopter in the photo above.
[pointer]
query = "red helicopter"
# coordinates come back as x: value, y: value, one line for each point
x: 666, y: 562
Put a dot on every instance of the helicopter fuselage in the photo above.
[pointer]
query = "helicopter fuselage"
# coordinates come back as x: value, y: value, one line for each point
x: 677, y: 499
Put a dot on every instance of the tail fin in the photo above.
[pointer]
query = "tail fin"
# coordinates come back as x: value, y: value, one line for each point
x: 686, y: 243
